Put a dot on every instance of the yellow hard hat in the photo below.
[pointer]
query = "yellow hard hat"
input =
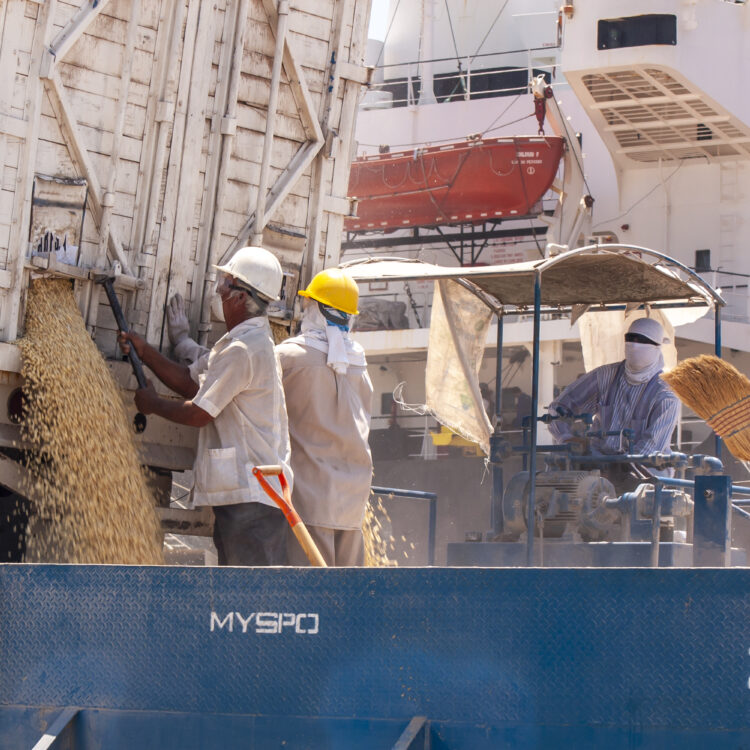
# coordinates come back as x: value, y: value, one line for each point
x: 334, y: 288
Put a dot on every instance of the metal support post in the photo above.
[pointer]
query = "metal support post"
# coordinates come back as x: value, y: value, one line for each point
x: 431, y: 497
x: 496, y: 509
x: 656, y: 524
x: 712, y: 526
x: 717, y: 351
x: 530, y: 515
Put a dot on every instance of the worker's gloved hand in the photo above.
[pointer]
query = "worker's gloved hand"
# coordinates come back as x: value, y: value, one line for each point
x: 146, y: 398
x: 126, y: 340
x: 178, y: 325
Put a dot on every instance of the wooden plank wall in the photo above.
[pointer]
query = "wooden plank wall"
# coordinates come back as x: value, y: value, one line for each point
x: 169, y: 155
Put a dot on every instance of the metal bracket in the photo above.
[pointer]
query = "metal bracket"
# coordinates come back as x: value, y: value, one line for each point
x: 712, y: 523
x: 55, y: 728
x: 416, y: 735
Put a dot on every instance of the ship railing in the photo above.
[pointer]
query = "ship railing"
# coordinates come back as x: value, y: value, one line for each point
x: 475, y: 76
x: 735, y: 288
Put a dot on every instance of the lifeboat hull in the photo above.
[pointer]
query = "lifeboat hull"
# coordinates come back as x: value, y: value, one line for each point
x: 468, y: 182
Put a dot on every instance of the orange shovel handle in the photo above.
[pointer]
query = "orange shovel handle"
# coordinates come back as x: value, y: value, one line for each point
x: 292, y: 517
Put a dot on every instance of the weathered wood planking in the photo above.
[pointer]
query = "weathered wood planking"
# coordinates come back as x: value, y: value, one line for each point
x: 171, y: 174
x: 167, y: 227
x: 101, y: 84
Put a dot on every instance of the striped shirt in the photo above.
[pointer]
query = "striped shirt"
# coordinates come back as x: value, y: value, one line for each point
x: 615, y: 404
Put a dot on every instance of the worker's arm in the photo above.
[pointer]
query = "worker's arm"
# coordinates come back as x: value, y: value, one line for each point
x: 173, y: 375
x: 148, y: 401
x: 657, y: 433
x: 581, y: 396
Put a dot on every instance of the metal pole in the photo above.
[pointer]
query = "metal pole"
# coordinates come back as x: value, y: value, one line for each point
x: 418, y: 495
x: 496, y: 509
x: 717, y: 350
x: 432, y: 532
x: 271, y: 117
x: 534, y: 424
x: 656, y: 525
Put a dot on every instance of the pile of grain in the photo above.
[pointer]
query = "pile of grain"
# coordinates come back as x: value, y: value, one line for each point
x: 379, y: 542
x: 91, y: 501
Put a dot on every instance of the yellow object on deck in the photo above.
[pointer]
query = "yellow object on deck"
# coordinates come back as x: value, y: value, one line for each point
x: 446, y: 437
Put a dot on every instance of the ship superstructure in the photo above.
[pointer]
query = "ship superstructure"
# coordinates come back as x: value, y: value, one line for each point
x: 664, y: 137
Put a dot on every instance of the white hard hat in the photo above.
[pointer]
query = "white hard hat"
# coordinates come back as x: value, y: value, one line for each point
x: 257, y: 268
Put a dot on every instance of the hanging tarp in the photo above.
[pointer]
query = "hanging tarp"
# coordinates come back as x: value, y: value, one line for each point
x: 458, y: 331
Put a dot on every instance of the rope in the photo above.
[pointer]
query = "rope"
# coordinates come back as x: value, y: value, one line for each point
x: 642, y: 198
x: 489, y: 31
x: 455, y: 46
x: 388, y: 31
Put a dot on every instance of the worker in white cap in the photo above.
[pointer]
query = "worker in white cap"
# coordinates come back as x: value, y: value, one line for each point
x: 329, y: 401
x: 234, y: 395
x: 624, y: 395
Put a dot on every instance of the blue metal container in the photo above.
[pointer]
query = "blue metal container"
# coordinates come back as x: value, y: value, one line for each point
x: 151, y: 657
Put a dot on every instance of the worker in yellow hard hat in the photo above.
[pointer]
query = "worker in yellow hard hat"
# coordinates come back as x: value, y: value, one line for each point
x: 234, y: 394
x: 329, y: 402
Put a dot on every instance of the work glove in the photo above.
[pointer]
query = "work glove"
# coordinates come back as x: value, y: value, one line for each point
x: 178, y: 326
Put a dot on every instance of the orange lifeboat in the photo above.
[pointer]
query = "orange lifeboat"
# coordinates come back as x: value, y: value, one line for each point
x: 468, y: 182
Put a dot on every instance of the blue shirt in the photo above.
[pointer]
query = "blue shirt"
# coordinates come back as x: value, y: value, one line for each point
x: 616, y: 405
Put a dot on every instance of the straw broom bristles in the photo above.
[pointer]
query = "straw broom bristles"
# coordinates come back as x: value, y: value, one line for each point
x: 719, y: 393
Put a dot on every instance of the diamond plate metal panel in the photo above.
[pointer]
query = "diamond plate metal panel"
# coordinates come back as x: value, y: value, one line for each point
x: 636, y: 649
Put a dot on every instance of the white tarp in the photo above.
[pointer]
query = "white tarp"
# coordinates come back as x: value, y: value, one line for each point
x: 458, y: 330
x: 603, y: 333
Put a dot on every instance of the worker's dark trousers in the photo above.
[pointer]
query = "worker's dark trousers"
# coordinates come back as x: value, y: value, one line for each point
x: 250, y: 534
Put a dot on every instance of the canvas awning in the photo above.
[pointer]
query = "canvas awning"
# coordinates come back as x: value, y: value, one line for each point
x: 595, y: 275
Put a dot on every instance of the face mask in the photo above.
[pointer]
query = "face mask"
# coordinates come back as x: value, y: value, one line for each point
x: 640, y: 356
x: 217, y: 309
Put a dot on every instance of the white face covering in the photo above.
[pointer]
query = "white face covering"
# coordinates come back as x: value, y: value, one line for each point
x: 217, y: 308
x: 642, y: 362
x: 334, y: 342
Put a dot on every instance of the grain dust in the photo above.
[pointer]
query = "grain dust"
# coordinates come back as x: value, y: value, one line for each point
x: 379, y: 543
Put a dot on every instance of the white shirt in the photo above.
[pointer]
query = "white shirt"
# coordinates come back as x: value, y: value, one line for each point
x: 239, y: 385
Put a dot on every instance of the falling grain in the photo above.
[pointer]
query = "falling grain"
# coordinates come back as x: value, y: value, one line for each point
x: 91, y: 501
x: 379, y: 543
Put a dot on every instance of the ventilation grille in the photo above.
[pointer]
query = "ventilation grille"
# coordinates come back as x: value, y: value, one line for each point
x: 652, y: 116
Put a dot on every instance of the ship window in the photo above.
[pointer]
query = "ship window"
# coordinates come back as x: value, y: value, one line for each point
x: 702, y: 261
x: 637, y: 31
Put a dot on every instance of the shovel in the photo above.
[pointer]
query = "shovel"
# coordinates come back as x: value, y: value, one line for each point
x: 139, y: 421
x: 285, y: 503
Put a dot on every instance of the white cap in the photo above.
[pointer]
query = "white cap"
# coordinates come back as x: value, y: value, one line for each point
x: 649, y: 328
x: 257, y: 268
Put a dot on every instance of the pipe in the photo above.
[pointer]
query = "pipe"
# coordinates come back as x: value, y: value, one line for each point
x: 656, y: 525
x: 418, y: 495
x: 426, y: 87
x: 265, y: 167
x: 530, y: 514
x: 226, y: 150
x: 162, y: 108
x: 690, y: 484
x: 108, y: 192
x: 717, y: 350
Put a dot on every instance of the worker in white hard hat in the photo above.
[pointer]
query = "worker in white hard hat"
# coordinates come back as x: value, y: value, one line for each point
x: 624, y: 395
x: 329, y: 402
x: 234, y: 395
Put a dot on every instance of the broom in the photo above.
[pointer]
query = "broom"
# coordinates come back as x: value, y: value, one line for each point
x: 719, y: 393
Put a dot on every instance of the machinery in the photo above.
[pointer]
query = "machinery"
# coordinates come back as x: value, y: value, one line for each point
x: 578, y: 516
